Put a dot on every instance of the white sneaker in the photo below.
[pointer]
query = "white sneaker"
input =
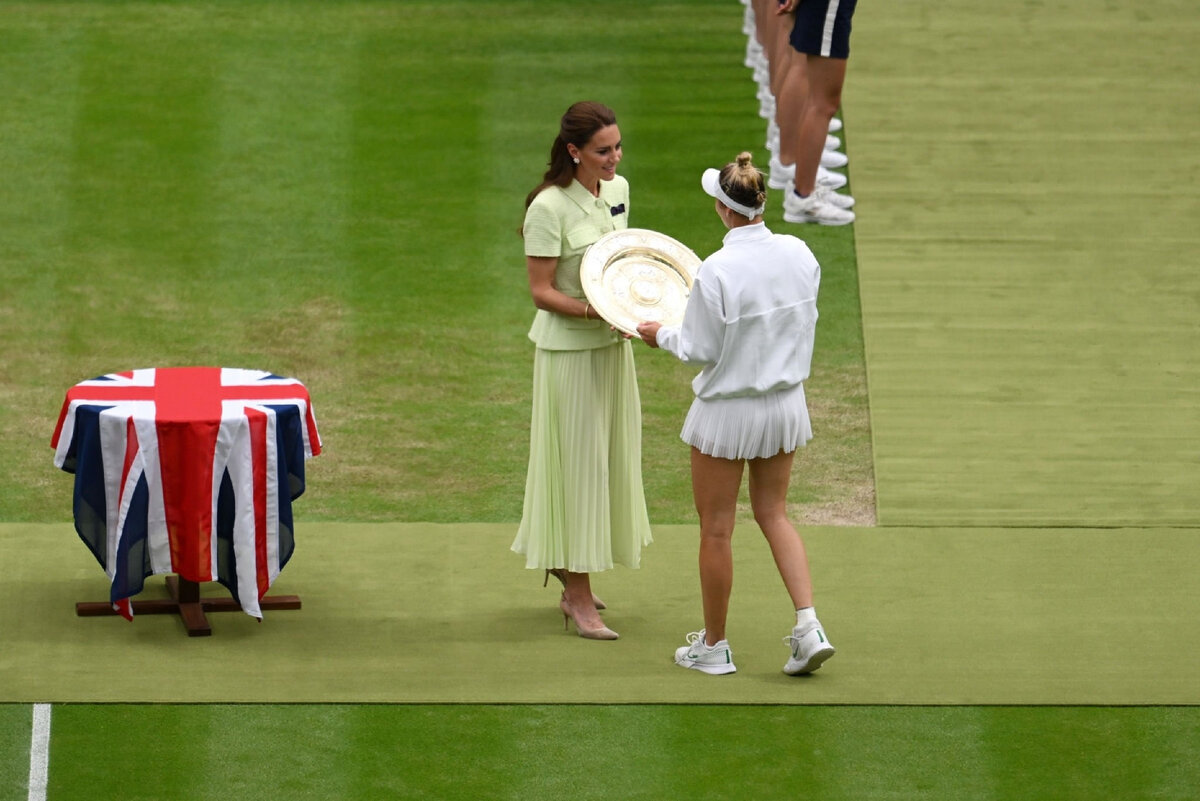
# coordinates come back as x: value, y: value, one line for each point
x: 780, y: 175
x: 810, y: 649
x: 831, y: 141
x: 715, y: 660
x: 839, y: 200
x: 772, y: 136
x: 814, y: 208
x: 754, y: 53
x: 835, y: 125
x: 832, y: 159
x: 830, y: 179
x: 783, y: 176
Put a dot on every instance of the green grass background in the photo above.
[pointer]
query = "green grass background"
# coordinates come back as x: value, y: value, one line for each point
x: 634, y: 752
x: 330, y: 190
x: 1030, y: 300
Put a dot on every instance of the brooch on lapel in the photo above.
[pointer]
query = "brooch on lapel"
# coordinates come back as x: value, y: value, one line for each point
x: 618, y: 210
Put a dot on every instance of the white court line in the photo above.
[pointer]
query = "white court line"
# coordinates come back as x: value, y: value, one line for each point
x: 39, y: 753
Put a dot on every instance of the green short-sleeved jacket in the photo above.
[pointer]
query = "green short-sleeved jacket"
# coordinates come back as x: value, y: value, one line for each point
x: 562, y: 223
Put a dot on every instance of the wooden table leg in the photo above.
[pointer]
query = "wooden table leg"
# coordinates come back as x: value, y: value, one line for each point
x: 186, y: 602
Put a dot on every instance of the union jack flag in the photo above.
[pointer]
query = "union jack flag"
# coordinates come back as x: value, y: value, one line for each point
x: 187, y: 470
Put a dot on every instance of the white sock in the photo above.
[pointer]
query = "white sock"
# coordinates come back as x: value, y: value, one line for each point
x: 806, y: 616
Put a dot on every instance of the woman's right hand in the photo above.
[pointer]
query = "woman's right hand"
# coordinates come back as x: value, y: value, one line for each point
x: 649, y: 333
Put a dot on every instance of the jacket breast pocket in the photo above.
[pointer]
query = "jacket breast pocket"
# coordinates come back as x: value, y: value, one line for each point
x: 579, y: 237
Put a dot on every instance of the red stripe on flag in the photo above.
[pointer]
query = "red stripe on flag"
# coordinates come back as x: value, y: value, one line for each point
x: 131, y: 449
x: 310, y: 420
x: 124, y: 608
x: 258, y: 461
x: 188, y: 410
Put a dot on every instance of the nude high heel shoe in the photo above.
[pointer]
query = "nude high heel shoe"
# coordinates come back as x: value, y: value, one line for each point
x: 558, y: 573
x: 602, y: 633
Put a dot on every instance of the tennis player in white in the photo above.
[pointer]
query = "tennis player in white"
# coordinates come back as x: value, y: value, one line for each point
x: 750, y: 323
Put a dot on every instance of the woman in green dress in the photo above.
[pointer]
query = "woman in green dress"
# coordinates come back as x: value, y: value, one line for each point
x: 584, y: 509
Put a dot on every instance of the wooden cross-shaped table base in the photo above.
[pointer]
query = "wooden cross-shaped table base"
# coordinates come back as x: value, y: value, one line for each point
x: 186, y: 602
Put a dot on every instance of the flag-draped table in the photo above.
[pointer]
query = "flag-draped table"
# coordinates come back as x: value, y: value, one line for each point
x: 190, y: 471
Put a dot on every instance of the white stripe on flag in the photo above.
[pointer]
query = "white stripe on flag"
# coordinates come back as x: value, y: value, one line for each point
x: 39, y: 753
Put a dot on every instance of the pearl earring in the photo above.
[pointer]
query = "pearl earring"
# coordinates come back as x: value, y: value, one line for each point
x: 576, y: 160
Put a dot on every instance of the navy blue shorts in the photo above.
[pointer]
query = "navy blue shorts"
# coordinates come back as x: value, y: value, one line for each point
x: 822, y: 27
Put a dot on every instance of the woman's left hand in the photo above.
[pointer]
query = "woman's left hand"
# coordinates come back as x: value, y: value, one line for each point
x: 649, y: 333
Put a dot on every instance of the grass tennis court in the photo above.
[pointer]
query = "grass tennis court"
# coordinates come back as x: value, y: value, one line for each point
x: 331, y: 191
x: 644, y: 752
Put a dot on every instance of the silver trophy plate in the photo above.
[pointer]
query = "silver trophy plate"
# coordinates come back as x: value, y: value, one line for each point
x: 636, y: 275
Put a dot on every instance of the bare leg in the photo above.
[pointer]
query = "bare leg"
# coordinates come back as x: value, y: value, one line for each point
x: 790, y: 105
x: 778, y: 47
x: 715, y: 484
x: 768, y: 498
x: 825, y: 79
x: 578, y: 595
x: 787, y: 81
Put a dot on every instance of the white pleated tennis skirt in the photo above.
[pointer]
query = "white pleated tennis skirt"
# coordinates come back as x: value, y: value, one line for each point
x: 749, y: 427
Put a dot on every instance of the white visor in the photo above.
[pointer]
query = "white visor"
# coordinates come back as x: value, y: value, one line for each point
x: 711, y: 181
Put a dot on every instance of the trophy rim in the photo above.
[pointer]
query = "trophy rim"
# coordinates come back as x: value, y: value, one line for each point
x: 655, y: 261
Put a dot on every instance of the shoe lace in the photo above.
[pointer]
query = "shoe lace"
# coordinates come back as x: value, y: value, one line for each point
x: 694, y: 637
x: 793, y: 640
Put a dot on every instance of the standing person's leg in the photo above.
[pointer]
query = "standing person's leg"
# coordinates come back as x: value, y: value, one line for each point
x: 583, y: 381
x: 577, y: 592
x: 807, y: 201
x: 579, y: 605
x: 825, y: 79
x: 791, y: 106
x: 821, y: 37
x: 769, y: 479
x: 715, y: 485
x: 780, y: 53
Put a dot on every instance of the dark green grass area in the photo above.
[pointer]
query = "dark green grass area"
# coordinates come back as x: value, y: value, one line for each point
x: 15, y: 724
x: 332, y: 191
x: 628, y: 752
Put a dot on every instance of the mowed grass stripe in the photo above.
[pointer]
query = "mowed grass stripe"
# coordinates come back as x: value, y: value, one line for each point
x: 282, y: 208
x: 38, y: 96
x: 1029, y: 261
x: 322, y: 191
x: 144, y: 136
x: 16, y: 725
x: 280, y: 192
x: 637, y: 752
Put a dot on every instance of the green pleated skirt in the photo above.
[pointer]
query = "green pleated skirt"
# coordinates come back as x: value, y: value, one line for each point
x: 584, y: 509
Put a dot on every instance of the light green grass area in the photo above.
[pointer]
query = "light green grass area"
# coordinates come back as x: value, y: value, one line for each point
x: 1029, y: 261
x: 425, y: 613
